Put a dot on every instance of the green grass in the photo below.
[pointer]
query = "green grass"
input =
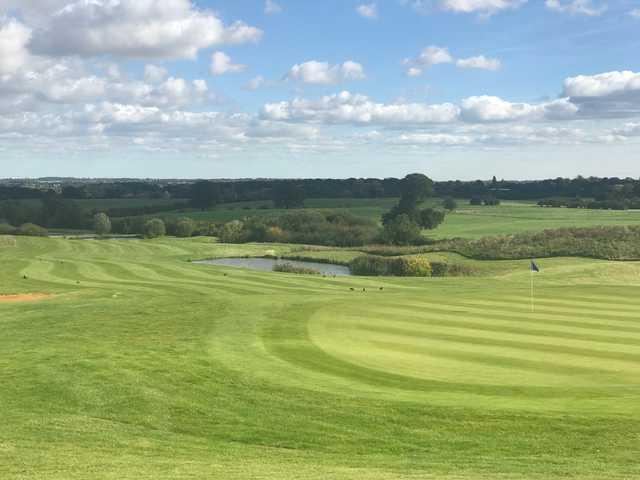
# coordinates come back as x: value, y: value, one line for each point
x: 467, y: 222
x: 154, y: 367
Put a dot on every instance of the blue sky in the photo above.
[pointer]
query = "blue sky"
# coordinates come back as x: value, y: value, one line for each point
x: 216, y: 89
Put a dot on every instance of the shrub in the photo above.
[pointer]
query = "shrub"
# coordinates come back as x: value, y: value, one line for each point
x: 232, y: 232
x: 101, y: 224
x: 411, y: 267
x: 154, y: 228
x: 32, y: 230
x: 371, y: 265
x: 184, y: 227
x: 6, y: 229
x: 288, y: 268
x: 401, y: 231
x: 449, y: 203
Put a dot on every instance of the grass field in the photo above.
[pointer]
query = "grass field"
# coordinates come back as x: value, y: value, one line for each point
x: 144, y: 365
x: 466, y: 222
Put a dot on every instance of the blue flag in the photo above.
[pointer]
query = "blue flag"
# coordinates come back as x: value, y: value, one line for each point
x: 534, y: 267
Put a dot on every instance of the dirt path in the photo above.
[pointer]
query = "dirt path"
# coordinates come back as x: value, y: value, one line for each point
x: 24, y: 297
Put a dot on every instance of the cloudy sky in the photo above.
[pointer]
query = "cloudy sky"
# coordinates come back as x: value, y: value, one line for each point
x: 335, y: 88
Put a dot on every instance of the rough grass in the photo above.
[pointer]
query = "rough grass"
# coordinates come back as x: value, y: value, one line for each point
x: 153, y: 367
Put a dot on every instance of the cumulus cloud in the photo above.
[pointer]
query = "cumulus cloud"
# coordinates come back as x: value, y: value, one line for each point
x: 154, y: 73
x: 434, y: 55
x: 271, y: 7
x: 480, y: 62
x: 221, y: 64
x: 446, y: 139
x: 487, y: 108
x: 137, y: 29
x: 255, y: 83
x: 322, y: 73
x: 609, y: 94
x: 14, y: 37
x: 368, y: 10
x: 603, y: 84
x: 348, y: 108
x: 576, y: 7
x: 481, y: 7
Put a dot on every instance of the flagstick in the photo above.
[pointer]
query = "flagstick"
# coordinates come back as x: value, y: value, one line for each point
x: 532, y: 302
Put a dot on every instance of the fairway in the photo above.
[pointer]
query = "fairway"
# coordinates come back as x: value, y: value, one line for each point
x: 144, y: 365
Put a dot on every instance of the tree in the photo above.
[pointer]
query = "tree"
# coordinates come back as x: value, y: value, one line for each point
x: 185, y: 227
x: 449, y: 203
x: 475, y: 201
x: 415, y: 188
x: 205, y: 194
x: 154, y: 228
x: 402, y: 231
x: 288, y: 195
x: 232, y: 232
x: 431, y: 218
x: 101, y: 224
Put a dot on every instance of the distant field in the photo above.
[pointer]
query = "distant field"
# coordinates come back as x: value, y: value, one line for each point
x: 467, y: 222
x: 144, y: 365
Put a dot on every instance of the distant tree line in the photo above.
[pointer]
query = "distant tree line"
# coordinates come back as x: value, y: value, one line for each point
x: 208, y: 193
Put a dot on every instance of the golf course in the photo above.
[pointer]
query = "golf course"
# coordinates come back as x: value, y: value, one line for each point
x: 127, y: 359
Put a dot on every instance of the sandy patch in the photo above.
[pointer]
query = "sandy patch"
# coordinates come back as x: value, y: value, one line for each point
x: 24, y: 297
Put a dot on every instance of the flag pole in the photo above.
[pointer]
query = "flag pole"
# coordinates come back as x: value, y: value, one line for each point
x: 533, y: 308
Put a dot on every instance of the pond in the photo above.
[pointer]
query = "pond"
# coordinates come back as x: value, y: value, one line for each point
x: 267, y: 264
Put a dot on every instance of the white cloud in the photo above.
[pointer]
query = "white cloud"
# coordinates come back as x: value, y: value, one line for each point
x: 255, y: 83
x: 14, y: 37
x: 138, y: 29
x: 322, y: 73
x: 481, y: 7
x: 485, y: 7
x: 434, y: 139
x: 603, y: 84
x: 368, y: 10
x: 271, y: 7
x: 635, y: 13
x: 348, y: 108
x: 480, y: 62
x: 576, y: 7
x: 434, y: 55
x: 487, y: 108
x: 154, y: 73
x: 221, y: 64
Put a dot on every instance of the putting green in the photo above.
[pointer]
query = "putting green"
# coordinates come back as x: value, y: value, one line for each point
x: 143, y: 365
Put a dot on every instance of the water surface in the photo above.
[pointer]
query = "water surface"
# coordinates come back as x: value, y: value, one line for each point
x: 267, y: 264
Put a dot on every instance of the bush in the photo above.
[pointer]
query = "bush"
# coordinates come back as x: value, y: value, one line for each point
x: 101, y: 224
x: 184, y: 227
x: 32, y: 230
x: 288, y: 268
x: 6, y: 229
x: 371, y: 265
x: 411, y: 267
x: 401, y: 231
x: 449, y: 203
x: 233, y: 232
x: 154, y: 228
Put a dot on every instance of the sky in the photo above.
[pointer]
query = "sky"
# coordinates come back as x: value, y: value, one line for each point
x: 456, y: 89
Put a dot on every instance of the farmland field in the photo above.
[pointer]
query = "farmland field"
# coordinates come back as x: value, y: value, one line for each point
x: 466, y: 222
x: 144, y: 365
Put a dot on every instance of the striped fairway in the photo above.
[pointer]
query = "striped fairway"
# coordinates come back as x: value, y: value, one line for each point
x: 144, y: 365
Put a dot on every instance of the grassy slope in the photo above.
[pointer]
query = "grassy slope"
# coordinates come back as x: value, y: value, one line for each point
x: 152, y: 367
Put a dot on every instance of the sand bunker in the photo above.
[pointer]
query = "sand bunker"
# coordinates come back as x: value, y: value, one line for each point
x: 24, y: 297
